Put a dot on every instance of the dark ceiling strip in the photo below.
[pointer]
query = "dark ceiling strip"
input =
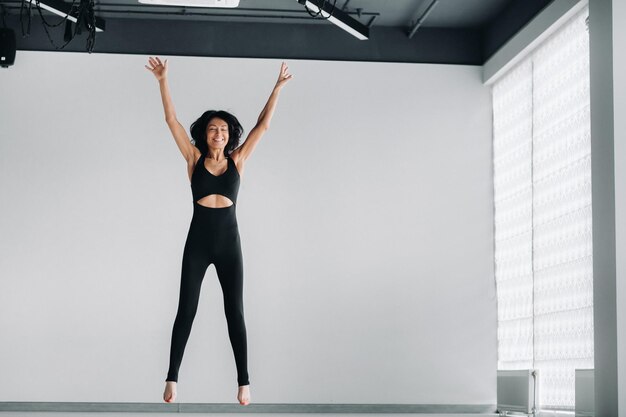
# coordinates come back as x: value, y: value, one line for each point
x: 508, y: 22
x: 255, y: 39
x: 252, y: 39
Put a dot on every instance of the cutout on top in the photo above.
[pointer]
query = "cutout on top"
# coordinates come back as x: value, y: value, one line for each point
x: 215, y: 201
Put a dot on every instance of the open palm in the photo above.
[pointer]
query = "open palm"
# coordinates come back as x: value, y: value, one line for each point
x: 158, y: 68
x: 284, y: 75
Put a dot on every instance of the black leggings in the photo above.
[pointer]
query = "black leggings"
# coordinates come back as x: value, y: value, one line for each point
x: 213, y: 238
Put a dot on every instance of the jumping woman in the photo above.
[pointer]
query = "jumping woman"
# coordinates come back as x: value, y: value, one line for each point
x: 215, y: 164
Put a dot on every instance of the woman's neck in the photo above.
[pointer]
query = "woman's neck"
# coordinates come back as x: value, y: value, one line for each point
x: 217, y: 154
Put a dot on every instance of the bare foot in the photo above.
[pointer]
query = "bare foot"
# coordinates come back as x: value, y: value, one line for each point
x: 170, y: 392
x: 244, y: 395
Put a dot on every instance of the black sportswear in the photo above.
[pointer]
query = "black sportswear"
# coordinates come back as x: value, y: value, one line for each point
x: 213, y: 238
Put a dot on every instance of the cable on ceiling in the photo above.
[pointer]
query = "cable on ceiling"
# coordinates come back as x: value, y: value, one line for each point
x: 318, y: 14
x: 83, y: 12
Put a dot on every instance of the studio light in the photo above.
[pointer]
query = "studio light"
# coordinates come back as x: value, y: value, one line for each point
x: 338, y: 17
x: 60, y: 8
x: 194, y: 3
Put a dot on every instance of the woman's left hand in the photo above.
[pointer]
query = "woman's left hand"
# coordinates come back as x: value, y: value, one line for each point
x: 284, y: 75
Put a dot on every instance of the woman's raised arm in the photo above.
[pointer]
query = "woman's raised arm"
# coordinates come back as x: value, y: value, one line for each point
x: 263, y: 123
x: 159, y: 69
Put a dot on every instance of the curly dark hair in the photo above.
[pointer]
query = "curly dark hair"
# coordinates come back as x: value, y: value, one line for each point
x: 198, y: 130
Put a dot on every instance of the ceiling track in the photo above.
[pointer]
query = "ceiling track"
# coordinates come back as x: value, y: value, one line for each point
x: 422, y: 18
x: 184, y: 11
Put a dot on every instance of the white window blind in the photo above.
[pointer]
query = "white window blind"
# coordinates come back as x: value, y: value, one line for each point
x: 542, y: 191
x: 512, y: 117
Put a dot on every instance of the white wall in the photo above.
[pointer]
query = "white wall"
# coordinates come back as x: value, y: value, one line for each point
x: 365, y: 216
x: 619, y: 97
x: 607, y: 162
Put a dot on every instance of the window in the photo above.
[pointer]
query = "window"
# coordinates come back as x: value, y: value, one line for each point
x: 542, y: 197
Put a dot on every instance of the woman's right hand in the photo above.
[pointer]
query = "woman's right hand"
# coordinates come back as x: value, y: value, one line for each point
x: 158, y: 68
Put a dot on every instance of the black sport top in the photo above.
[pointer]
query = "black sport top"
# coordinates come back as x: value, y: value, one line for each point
x: 204, y: 183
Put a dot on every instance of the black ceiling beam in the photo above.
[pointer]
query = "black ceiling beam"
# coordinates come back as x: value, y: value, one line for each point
x: 265, y: 40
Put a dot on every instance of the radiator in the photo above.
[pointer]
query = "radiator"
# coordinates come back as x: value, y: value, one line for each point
x: 585, y: 395
x: 517, y: 391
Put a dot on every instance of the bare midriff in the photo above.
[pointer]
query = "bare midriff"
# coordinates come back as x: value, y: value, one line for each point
x: 215, y: 201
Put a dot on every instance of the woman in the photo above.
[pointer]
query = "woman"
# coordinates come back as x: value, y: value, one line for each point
x: 215, y: 163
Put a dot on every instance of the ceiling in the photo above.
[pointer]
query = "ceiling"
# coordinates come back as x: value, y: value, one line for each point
x: 397, y: 13
x: 453, y: 31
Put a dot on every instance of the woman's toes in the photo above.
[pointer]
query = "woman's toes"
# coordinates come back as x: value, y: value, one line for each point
x: 243, y: 396
x: 170, y: 392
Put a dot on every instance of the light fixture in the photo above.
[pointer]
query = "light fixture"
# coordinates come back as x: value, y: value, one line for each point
x: 338, y: 17
x: 60, y: 8
x: 194, y: 3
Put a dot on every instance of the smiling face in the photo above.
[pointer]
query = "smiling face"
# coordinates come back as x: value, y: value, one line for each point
x: 217, y: 133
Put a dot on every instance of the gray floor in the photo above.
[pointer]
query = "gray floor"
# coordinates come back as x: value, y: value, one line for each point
x: 100, y: 414
x: 77, y: 408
